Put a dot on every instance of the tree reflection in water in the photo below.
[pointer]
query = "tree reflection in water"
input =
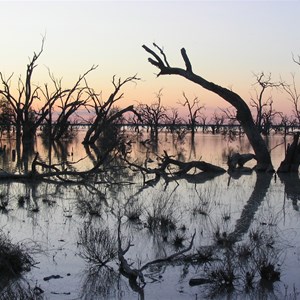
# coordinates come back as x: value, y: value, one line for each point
x: 101, y: 283
x: 154, y: 216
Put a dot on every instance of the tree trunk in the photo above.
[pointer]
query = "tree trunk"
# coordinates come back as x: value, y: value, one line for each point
x: 28, y: 133
x: 292, y: 158
x: 244, y: 116
x: 90, y: 131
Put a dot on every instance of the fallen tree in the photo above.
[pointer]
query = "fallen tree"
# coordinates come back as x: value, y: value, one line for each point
x: 171, y: 170
x: 183, y: 167
x: 134, y: 274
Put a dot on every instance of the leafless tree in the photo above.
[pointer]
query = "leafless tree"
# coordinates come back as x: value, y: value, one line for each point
x: 26, y: 114
x: 294, y: 97
x: 154, y: 114
x: 217, y: 120
x: 26, y: 119
x: 229, y: 117
x: 268, y: 118
x: 106, y: 112
x: 194, y: 111
x: 173, y: 119
x: 264, y: 107
x: 70, y: 102
x: 244, y: 115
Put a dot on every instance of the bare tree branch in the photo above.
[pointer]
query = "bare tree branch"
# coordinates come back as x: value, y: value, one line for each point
x: 243, y: 112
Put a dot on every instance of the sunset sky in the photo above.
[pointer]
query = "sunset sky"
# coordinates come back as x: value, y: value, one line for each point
x: 227, y: 41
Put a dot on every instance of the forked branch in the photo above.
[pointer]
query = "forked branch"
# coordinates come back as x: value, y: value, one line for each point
x: 244, y: 115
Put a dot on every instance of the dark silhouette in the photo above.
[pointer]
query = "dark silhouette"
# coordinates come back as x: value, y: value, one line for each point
x: 26, y: 116
x: 106, y: 112
x: 153, y: 115
x: 243, y: 115
x: 194, y: 111
x: 292, y: 158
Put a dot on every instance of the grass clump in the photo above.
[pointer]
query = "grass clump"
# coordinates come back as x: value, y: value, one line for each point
x: 161, y: 216
x: 133, y: 211
x: 97, y: 245
x: 14, y: 258
x: 178, y: 240
x: 222, y: 275
x: 249, y: 265
x: 21, y: 290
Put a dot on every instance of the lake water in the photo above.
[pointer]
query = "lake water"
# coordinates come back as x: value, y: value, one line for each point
x: 237, y: 206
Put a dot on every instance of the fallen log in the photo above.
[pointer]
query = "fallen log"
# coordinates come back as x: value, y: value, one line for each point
x: 134, y: 274
x: 170, y: 257
x: 164, y: 169
x: 185, y: 167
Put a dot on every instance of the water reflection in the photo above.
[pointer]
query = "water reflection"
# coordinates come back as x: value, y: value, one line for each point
x: 154, y: 217
x: 291, y: 183
x: 100, y: 283
x: 247, y: 215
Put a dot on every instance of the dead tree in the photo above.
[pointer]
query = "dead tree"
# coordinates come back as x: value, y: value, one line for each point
x: 194, y: 110
x: 171, y: 170
x: 6, y: 117
x: 26, y: 114
x: 173, y: 120
x: 73, y: 100
x: 134, y: 275
x: 244, y: 116
x: 294, y: 97
x: 263, y: 107
x: 238, y: 159
x: 153, y: 115
x: 217, y: 121
x: 26, y: 118
x: 203, y: 118
x: 291, y: 161
x: 106, y: 112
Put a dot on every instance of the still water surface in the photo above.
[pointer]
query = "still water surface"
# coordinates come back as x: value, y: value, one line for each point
x: 50, y: 220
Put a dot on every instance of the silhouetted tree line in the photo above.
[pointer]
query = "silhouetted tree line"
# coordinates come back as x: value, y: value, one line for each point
x: 54, y: 108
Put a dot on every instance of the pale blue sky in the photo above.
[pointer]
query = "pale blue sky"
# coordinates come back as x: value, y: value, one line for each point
x: 226, y: 42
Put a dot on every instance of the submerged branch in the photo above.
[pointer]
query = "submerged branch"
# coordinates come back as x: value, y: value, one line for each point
x: 170, y: 257
x: 166, y: 170
x: 58, y: 171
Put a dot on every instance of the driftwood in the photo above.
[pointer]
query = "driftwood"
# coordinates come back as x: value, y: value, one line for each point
x: 134, y: 274
x: 125, y: 268
x: 208, y: 171
x: 185, y: 167
x: 292, y: 158
x: 170, y: 257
